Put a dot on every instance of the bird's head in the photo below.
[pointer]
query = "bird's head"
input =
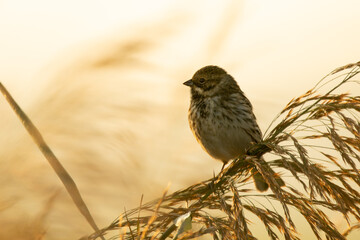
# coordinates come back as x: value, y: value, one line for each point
x: 211, y: 81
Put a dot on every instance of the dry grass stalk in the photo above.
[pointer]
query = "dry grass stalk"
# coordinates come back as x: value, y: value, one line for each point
x: 328, y: 185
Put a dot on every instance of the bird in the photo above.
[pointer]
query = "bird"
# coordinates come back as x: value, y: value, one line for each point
x: 221, y: 117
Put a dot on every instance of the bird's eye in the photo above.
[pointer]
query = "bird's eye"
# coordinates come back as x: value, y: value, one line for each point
x: 202, y: 80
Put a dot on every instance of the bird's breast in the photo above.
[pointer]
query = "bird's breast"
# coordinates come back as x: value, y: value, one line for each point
x: 218, y: 127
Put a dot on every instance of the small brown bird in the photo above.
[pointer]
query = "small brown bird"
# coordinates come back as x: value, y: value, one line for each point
x: 221, y: 117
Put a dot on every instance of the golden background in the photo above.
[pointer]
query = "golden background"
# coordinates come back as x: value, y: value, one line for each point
x: 102, y: 80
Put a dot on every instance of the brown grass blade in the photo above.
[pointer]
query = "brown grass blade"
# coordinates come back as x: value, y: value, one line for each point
x: 51, y: 158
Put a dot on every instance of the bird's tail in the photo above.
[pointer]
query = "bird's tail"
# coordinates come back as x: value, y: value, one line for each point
x: 261, y: 184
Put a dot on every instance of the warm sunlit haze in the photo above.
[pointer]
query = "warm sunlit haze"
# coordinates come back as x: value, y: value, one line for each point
x: 102, y: 81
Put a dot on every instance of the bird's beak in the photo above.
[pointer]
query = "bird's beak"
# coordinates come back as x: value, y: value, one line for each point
x: 189, y: 83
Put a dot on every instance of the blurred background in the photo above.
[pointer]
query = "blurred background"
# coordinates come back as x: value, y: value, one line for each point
x: 102, y: 80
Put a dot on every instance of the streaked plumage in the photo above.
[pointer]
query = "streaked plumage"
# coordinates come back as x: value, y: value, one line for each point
x: 221, y: 117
